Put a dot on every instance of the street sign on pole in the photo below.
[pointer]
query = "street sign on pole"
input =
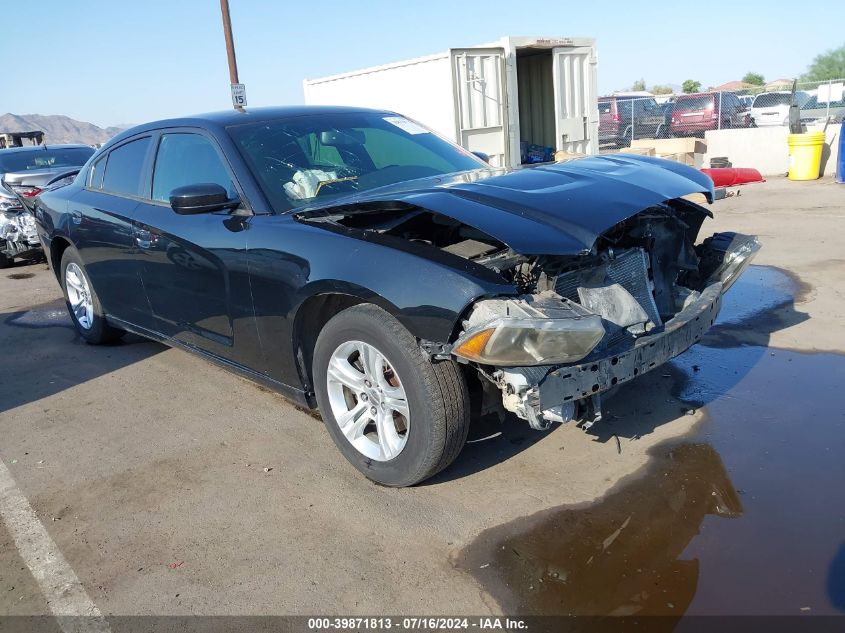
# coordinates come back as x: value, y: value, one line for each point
x: 239, y: 95
x: 238, y: 91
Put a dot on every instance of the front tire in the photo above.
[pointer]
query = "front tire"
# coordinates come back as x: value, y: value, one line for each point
x: 82, y: 302
x: 6, y: 261
x: 395, y: 415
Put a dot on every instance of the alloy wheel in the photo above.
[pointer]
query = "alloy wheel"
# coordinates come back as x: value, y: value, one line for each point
x: 368, y: 400
x: 79, y: 296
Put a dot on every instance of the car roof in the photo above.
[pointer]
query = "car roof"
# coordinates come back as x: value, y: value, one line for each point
x: 227, y: 118
x: 41, y: 148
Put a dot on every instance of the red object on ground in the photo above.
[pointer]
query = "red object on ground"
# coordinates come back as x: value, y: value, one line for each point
x: 732, y: 176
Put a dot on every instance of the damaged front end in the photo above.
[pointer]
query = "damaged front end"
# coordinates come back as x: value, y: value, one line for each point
x: 18, y: 235
x: 609, y: 277
x: 585, y: 324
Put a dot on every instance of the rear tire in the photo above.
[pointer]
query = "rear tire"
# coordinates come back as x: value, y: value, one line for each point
x: 6, y: 261
x: 82, y: 302
x: 435, y: 396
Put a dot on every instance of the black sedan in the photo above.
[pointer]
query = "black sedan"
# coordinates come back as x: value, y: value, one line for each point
x: 357, y: 262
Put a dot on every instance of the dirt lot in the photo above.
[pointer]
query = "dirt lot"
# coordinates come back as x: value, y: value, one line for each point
x: 715, y: 483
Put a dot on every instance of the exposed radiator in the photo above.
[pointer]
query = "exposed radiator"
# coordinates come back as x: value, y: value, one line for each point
x: 629, y: 269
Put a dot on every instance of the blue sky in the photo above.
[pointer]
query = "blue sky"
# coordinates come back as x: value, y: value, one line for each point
x: 121, y: 61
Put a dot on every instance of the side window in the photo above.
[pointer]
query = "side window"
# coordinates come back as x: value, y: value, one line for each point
x: 95, y: 179
x: 187, y: 159
x: 124, y: 167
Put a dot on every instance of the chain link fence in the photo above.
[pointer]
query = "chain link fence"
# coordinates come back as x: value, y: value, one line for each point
x: 627, y: 116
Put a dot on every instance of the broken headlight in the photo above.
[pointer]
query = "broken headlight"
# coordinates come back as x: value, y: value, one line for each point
x: 731, y: 253
x: 542, y: 329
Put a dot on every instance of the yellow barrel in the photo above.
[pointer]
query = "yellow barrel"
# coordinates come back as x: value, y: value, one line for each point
x: 805, y: 155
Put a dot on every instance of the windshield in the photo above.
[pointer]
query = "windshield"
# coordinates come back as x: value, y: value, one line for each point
x: 44, y: 158
x: 300, y: 159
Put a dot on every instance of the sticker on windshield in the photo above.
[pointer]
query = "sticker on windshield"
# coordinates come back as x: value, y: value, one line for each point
x: 404, y: 124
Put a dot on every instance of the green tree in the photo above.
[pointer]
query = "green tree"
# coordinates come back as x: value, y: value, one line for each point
x: 690, y: 86
x: 661, y: 90
x: 828, y: 65
x: 755, y: 79
x: 638, y: 86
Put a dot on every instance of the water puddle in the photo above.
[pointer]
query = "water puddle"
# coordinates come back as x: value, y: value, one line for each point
x: 20, y: 276
x: 744, y: 516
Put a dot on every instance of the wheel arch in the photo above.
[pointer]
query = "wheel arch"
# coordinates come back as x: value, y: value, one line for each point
x: 312, y: 315
x: 58, y: 245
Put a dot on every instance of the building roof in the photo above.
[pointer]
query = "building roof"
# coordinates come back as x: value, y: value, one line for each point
x: 732, y: 86
x: 778, y: 83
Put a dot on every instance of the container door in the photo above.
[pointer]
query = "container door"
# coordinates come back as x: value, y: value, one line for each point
x: 478, y: 75
x: 576, y: 113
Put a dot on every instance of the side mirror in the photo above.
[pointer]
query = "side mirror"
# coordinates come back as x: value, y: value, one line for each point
x: 203, y: 197
x: 482, y: 156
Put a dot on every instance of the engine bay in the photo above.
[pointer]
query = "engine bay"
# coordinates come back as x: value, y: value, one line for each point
x: 638, y: 275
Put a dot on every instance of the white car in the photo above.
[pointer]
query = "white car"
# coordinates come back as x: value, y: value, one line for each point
x: 772, y: 108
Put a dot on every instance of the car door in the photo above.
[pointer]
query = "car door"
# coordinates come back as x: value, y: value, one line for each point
x: 101, y: 228
x: 193, y: 267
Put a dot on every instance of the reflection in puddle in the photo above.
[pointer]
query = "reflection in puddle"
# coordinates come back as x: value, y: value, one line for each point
x: 770, y: 453
x: 620, y: 556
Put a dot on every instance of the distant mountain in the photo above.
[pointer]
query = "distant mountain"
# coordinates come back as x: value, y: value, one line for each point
x: 58, y: 128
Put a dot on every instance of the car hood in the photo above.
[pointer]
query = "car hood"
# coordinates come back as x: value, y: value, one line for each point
x: 556, y: 209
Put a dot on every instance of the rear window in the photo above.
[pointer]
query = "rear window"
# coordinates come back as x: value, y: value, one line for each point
x: 772, y: 100
x: 647, y: 106
x: 604, y: 107
x: 45, y: 158
x: 698, y: 102
x: 123, y: 169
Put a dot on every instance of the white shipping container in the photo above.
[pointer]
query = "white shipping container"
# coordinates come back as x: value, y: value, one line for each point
x: 487, y: 98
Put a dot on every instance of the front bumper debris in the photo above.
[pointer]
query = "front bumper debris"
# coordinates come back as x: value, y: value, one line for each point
x: 576, y: 382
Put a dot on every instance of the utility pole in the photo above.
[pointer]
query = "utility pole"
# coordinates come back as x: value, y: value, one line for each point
x: 238, y: 89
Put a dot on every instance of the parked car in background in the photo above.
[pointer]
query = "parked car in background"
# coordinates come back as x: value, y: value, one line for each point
x: 694, y: 114
x: 26, y: 169
x: 357, y: 262
x: 24, y: 173
x: 814, y: 112
x: 665, y: 130
x: 772, y: 108
x: 622, y: 119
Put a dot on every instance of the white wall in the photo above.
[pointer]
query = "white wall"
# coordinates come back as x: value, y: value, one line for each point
x: 766, y: 148
x: 420, y: 89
